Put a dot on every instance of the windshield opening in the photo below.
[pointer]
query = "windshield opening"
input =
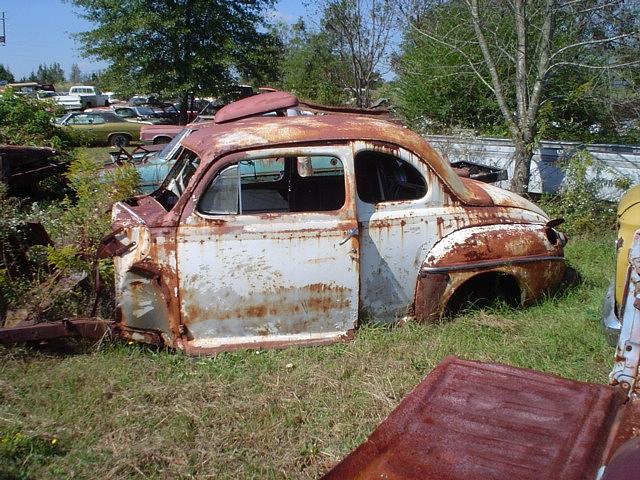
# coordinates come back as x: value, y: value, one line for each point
x: 177, y: 179
x: 166, y: 152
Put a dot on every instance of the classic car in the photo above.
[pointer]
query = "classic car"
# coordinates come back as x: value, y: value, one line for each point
x: 628, y: 222
x: 275, y: 231
x: 477, y: 420
x: 103, y: 127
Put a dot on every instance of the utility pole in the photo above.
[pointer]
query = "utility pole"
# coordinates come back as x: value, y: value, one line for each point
x: 3, y: 34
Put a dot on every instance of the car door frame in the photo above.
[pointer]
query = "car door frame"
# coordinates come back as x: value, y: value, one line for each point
x: 339, y: 302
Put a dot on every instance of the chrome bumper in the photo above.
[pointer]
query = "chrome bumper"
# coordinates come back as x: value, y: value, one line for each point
x: 610, y: 323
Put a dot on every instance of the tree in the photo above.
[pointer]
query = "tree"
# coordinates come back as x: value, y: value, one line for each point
x: 361, y: 31
x: 514, y: 48
x: 48, y: 74
x: 75, y: 75
x: 176, y: 47
x: 5, y: 74
x: 311, y: 69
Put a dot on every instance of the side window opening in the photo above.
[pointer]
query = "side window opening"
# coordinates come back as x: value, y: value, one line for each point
x: 381, y: 177
x: 277, y: 185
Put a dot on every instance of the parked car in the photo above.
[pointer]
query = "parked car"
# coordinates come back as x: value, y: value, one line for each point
x: 103, y: 127
x: 81, y: 97
x: 469, y: 420
x: 628, y: 222
x: 275, y: 231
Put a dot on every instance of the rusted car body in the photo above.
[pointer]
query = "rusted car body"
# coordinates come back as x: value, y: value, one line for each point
x: 488, y: 421
x: 252, y: 241
x: 21, y: 167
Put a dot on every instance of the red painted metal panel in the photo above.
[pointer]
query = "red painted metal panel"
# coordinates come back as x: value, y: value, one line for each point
x: 472, y: 420
x: 256, y: 105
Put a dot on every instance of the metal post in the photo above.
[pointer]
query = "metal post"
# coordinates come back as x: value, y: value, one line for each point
x: 3, y: 36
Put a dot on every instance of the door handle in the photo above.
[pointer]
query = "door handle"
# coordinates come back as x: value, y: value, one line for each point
x: 352, y: 233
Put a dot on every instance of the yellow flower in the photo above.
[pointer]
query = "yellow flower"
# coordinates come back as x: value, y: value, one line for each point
x: 54, y: 441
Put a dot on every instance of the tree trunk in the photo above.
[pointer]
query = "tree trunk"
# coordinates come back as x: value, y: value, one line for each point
x: 522, y: 165
x: 184, y: 107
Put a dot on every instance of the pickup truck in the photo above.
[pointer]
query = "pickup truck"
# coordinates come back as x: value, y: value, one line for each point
x: 81, y: 97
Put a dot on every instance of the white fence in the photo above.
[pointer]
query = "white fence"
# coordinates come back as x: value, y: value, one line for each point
x: 614, y: 161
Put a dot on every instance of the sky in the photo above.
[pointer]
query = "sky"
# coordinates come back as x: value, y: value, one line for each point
x: 39, y: 31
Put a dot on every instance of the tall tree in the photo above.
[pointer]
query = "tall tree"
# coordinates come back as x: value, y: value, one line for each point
x: 311, y: 68
x: 176, y: 47
x: 362, y: 32
x: 75, y: 75
x: 48, y: 73
x: 5, y: 74
x: 513, y: 48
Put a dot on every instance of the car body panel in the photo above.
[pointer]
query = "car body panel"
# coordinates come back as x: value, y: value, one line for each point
x: 473, y: 420
x: 100, y: 133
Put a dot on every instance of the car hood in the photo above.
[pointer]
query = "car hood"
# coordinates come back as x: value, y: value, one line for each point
x: 504, y: 198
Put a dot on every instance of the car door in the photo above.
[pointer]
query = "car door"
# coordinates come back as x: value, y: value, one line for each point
x: 269, y: 253
x: 91, y: 124
x: 398, y: 202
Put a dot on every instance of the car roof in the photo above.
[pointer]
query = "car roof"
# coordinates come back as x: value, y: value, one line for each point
x: 211, y: 142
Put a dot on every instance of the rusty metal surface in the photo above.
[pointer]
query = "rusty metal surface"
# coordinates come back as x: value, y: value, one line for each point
x: 21, y: 167
x: 256, y: 105
x: 334, y: 109
x: 625, y: 464
x: 472, y: 420
x: 85, y: 328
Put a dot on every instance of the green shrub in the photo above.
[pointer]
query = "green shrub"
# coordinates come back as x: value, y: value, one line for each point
x: 579, y: 201
x: 28, y: 121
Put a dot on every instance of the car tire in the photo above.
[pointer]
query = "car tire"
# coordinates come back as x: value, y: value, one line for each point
x: 119, y: 140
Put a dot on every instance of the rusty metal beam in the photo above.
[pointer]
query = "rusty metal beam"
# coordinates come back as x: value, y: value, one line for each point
x: 81, y: 327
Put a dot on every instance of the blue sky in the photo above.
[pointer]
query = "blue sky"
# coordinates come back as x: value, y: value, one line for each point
x: 38, y: 31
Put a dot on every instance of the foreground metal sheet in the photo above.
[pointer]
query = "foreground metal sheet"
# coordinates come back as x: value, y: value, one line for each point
x: 470, y: 420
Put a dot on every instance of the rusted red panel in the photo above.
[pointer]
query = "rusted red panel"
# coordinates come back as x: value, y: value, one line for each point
x: 85, y: 328
x: 471, y: 420
x: 256, y: 105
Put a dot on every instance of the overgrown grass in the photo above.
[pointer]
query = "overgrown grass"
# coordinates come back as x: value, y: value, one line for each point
x: 124, y: 411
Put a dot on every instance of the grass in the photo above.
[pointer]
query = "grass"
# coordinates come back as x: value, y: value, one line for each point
x: 125, y: 411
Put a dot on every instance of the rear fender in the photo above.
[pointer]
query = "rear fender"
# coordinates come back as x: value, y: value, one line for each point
x: 525, y: 252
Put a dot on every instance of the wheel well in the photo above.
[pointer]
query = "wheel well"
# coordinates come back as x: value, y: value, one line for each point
x: 159, y: 140
x: 484, y: 289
